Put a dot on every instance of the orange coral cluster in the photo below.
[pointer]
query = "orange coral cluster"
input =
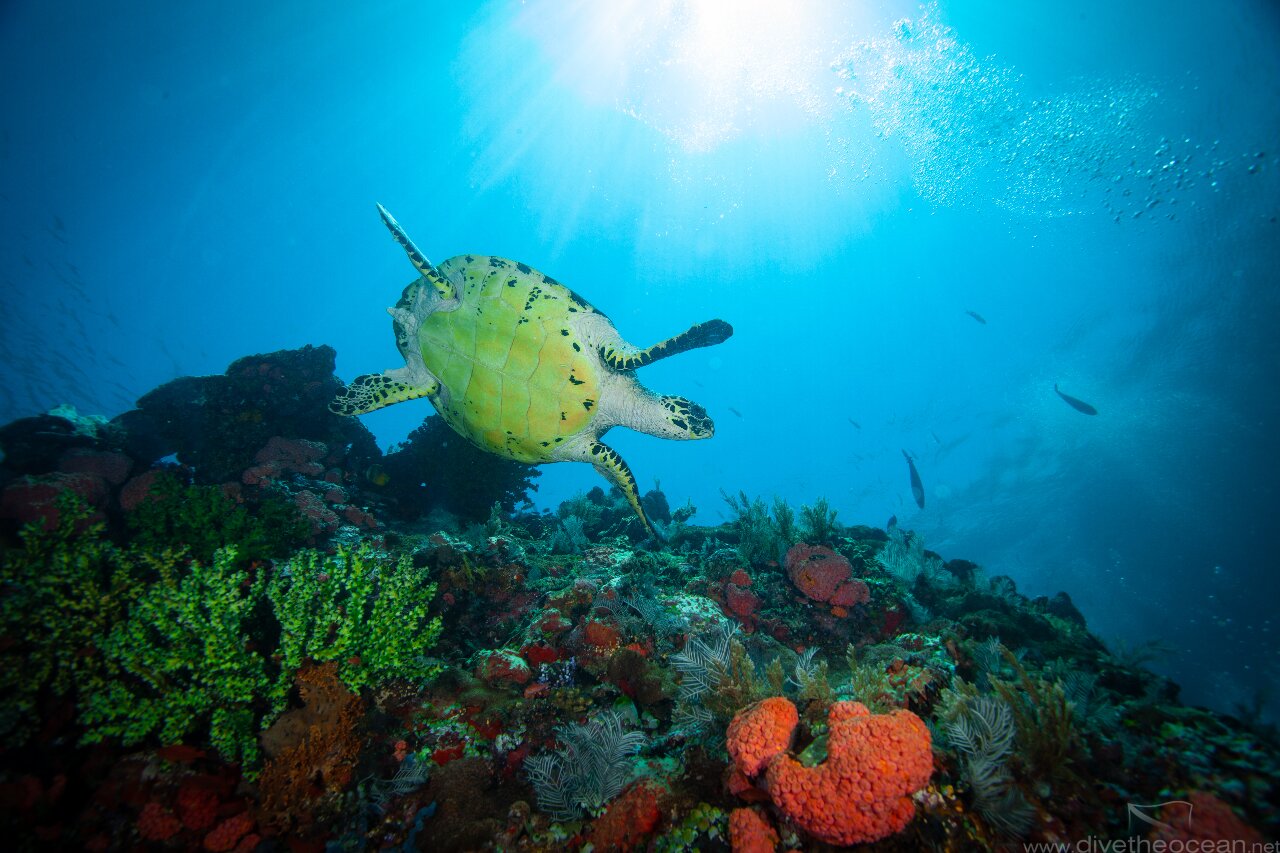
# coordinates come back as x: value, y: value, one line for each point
x: 861, y: 792
x: 761, y: 732
x: 629, y: 820
x: 313, y: 749
x: 750, y: 832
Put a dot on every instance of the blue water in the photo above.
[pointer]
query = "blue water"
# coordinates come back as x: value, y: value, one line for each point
x: 183, y: 184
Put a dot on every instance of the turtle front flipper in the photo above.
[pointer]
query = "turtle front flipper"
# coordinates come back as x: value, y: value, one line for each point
x: 439, y: 283
x: 621, y: 355
x: 374, y: 391
x: 610, y: 465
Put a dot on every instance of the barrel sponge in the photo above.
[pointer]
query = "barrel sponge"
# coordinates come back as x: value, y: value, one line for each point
x: 760, y: 732
x: 862, y: 791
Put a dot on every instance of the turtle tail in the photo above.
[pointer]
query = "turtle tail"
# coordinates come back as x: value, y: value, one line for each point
x: 439, y: 283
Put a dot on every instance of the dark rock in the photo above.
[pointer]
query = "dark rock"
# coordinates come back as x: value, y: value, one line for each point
x: 436, y: 468
x: 217, y: 424
x: 34, y: 445
x: 963, y: 570
x: 656, y: 506
x: 866, y: 534
x: 1063, y: 607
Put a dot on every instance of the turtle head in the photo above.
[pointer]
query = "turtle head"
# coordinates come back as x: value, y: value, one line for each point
x: 686, y: 419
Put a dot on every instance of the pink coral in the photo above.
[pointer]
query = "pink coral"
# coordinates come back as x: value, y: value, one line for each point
x: 824, y: 575
x: 156, y: 823
x: 499, y: 666
x: 112, y: 467
x: 198, y: 806
x: 286, y: 455
x: 742, y: 603
x: 876, y: 761
x: 28, y: 499
x: 321, y: 519
x: 851, y: 592
x: 1207, y: 819
x: 629, y: 820
x: 137, y: 489
x: 226, y: 835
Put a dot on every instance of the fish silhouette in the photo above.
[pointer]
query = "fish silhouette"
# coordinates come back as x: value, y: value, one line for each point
x: 975, y: 315
x: 917, y: 487
x: 1078, y: 405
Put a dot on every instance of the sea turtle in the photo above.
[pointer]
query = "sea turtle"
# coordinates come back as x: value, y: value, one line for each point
x: 523, y: 367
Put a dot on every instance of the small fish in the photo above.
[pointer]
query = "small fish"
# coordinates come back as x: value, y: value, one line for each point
x: 855, y: 423
x: 735, y: 411
x: 377, y: 475
x: 1079, y: 405
x: 917, y: 487
x: 975, y: 315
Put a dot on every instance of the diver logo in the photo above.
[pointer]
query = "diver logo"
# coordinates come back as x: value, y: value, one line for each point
x: 1145, y: 814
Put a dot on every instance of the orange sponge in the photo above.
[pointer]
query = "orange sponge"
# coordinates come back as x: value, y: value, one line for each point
x: 750, y: 832
x: 760, y: 732
x: 861, y: 792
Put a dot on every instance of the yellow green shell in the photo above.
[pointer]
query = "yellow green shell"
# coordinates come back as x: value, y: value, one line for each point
x: 517, y: 393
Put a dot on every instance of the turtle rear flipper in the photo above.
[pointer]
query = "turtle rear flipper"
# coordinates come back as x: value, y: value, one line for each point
x: 374, y: 391
x: 621, y: 355
x: 610, y: 466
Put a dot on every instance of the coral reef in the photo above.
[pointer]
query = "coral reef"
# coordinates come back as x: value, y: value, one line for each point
x: 365, y: 611
x: 435, y: 468
x: 760, y: 733
x: 217, y: 424
x: 283, y: 640
x: 63, y: 590
x: 168, y: 514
